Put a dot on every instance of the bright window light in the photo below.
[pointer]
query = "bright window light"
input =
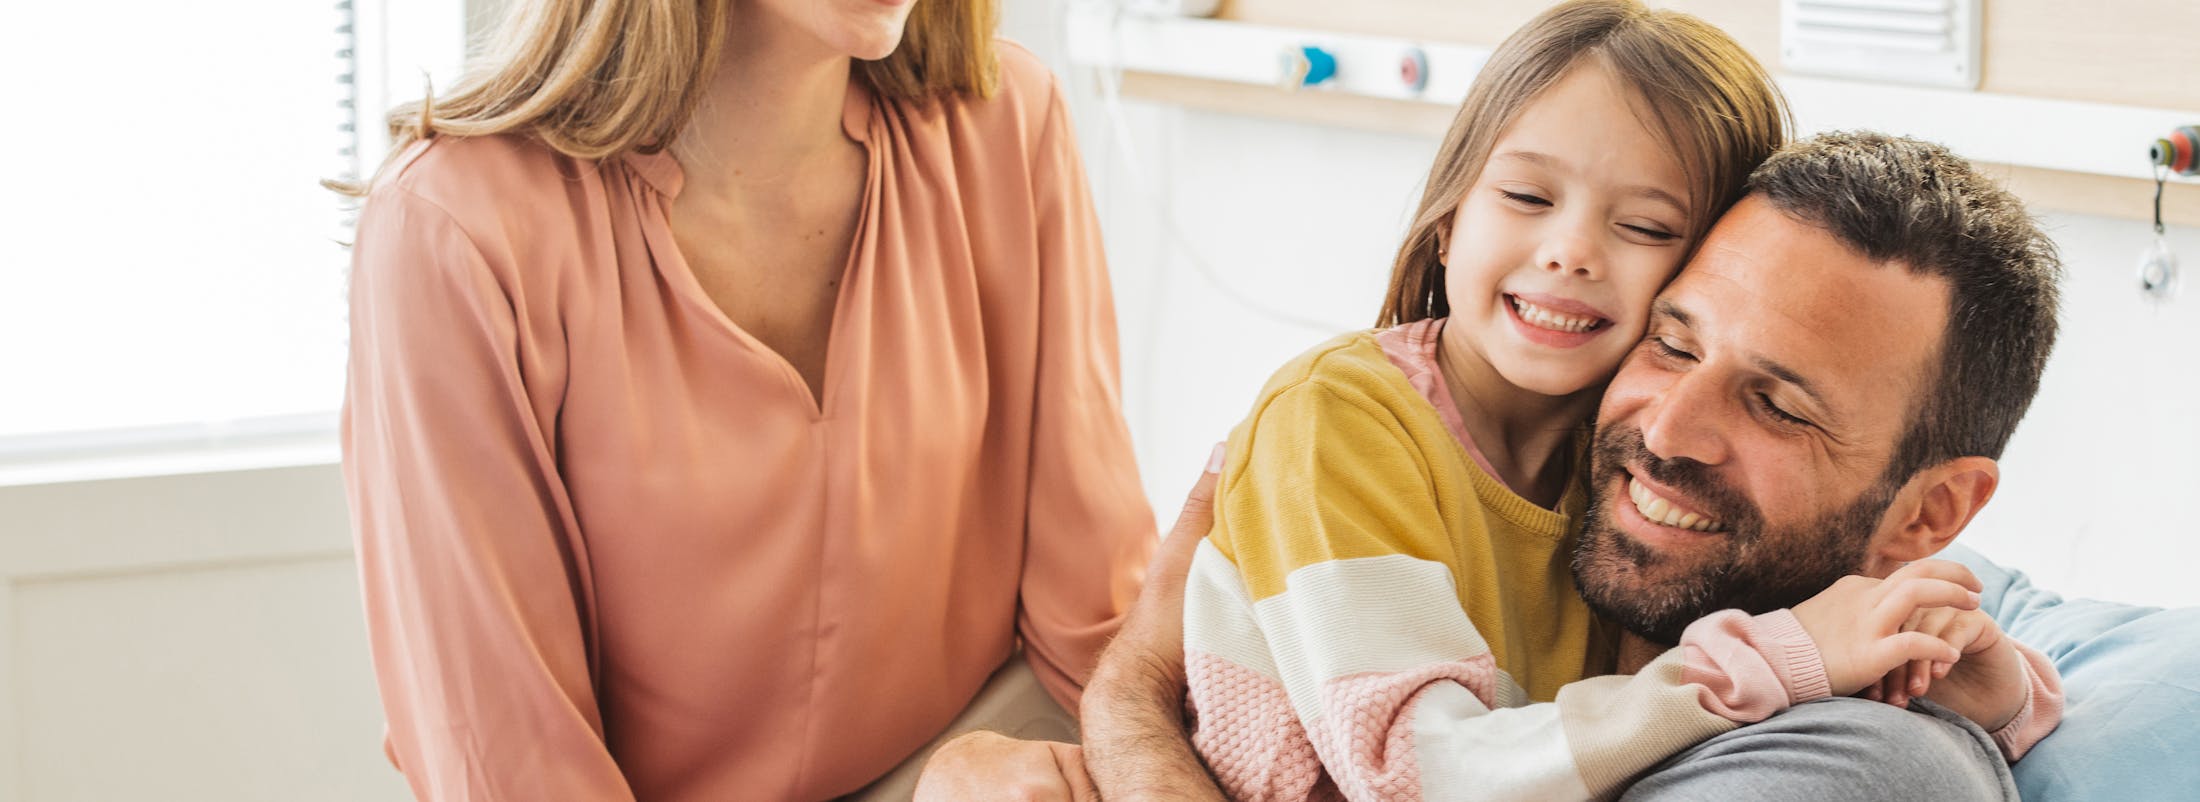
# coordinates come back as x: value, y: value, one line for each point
x: 168, y: 260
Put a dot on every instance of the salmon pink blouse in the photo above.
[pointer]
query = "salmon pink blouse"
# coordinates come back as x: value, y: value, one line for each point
x: 611, y: 547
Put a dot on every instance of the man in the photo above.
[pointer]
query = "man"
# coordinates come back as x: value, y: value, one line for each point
x: 1832, y: 377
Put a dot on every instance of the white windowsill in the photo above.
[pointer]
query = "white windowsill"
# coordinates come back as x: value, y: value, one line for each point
x: 272, y: 442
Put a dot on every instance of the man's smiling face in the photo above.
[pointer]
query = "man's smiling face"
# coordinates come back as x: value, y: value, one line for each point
x: 1741, y: 451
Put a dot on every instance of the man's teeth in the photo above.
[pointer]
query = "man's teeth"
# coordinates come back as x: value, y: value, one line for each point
x: 1658, y: 510
x: 1545, y: 318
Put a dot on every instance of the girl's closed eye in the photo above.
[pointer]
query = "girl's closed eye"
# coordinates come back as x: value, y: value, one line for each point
x: 1654, y: 233
x: 1524, y: 198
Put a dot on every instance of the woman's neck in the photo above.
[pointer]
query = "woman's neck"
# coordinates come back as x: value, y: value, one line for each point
x: 770, y: 110
x: 1525, y: 435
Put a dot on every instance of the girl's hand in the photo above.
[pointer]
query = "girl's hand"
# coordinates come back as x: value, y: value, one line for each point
x: 1986, y: 684
x: 1859, y: 623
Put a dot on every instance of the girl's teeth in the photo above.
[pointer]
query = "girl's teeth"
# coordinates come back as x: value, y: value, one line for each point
x: 1544, y: 318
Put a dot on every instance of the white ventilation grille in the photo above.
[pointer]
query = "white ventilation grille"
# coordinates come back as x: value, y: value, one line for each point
x: 1928, y: 42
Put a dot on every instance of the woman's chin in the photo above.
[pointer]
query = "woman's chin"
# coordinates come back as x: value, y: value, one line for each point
x: 872, y: 45
x: 874, y: 53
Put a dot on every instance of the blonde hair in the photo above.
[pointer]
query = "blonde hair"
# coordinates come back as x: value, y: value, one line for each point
x: 596, y: 78
x: 1716, y: 105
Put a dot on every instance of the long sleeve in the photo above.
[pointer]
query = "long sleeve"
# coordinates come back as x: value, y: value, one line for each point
x: 473, y: 592
x: 1089, y: 533
x: 2042, y: 711
x: 1327, y: 643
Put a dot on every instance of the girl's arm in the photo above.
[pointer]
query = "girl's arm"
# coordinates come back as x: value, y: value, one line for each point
x: 1324, y: 635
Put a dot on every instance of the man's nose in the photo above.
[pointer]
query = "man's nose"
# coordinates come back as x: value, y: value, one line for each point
x: 1685, y: 420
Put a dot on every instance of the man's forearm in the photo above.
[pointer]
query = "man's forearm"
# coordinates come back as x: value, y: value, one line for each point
x: 1133, y: 707
x: 1135, y: 744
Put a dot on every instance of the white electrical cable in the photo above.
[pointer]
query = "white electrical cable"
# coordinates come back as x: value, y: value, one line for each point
x: 1146, y: 394
x: 1110, y: 78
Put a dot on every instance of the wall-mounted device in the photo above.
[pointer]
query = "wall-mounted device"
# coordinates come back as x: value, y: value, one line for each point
x: 2065, y: 135
x: 1307, y: 65
x: 2175, y: 153
x: 2178, y: 151
x: 1925, y: 42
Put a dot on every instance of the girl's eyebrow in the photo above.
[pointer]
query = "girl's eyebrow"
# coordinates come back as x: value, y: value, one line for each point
x: 1550, y: 162
x: 1659, y: 195
x: 1532, y: 157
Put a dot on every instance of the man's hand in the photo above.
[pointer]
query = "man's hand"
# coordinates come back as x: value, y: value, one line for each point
x: 989, y: 765
x: 1986, y: 685
x: 1858, y: 622
x: 1134, y: 706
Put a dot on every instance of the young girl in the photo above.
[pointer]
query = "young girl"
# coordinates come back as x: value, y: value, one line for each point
x: 1387, y: 590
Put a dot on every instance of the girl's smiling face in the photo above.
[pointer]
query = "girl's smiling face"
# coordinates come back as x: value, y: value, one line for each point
x: 1578, y: 218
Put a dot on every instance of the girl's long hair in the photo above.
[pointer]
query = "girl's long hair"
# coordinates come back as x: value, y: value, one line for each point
x: 1717, y: 106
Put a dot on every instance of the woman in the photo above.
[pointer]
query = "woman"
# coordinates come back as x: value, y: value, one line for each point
x: 733, y: 388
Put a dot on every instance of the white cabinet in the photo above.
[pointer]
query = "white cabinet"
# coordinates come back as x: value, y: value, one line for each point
x: 185, y: 638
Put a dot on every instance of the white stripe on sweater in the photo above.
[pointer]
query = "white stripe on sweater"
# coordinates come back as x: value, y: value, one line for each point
x: 1468, y: 751
x: 1345, y: 617
x: 1218, y: 614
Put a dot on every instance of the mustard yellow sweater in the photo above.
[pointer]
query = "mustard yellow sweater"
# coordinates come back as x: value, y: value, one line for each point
x: 1374, y: 613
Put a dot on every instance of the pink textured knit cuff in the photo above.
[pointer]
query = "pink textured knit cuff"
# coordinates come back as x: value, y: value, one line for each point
x: 2042, y: 711
x: 1780, y: 636
x: 1751, y: 668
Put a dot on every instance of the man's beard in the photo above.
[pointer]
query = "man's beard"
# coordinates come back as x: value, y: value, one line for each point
x: 1762, y: 568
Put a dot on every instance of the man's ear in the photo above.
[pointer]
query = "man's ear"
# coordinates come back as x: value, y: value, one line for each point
x: 1931, y: 509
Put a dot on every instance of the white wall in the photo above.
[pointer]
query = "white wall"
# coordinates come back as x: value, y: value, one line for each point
x: 2098, y: 486
x: 1303, y: 220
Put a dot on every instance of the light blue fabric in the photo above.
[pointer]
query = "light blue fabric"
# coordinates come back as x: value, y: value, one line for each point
x: 2131, y: 687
